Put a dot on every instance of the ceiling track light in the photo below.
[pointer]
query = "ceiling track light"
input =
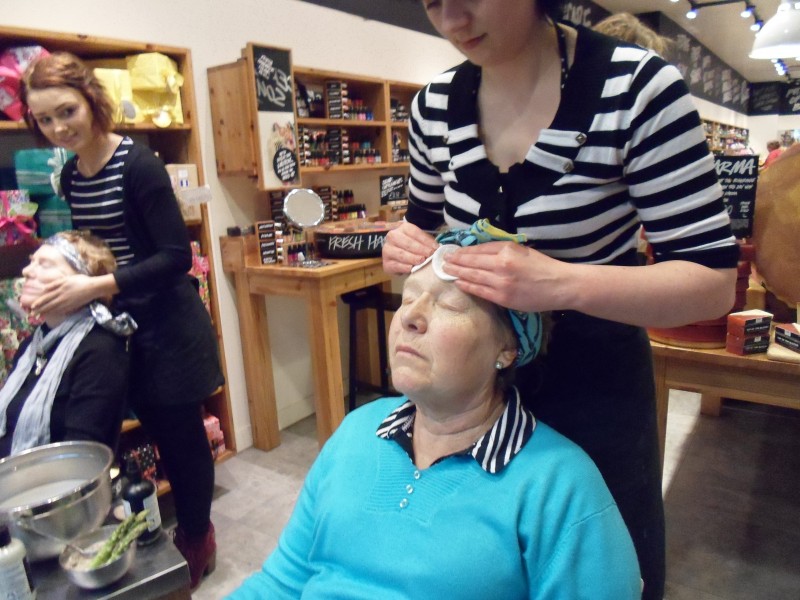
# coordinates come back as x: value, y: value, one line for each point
x: 748, y: 11
x: 780, y: 35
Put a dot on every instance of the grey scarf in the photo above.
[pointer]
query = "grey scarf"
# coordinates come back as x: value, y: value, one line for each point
x: 33, y: 427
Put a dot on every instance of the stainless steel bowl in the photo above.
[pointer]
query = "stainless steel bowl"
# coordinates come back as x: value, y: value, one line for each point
x: 55, y: 492
x: 92, y: 579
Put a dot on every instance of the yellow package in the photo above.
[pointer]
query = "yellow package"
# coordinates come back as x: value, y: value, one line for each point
x: 117, y: 83
x: 161, y: 108
x: 155, y: 72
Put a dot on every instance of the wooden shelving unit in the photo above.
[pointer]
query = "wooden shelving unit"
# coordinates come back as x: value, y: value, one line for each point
x: 174, y: 144
x: 234, y: 116
x: 723, y: 138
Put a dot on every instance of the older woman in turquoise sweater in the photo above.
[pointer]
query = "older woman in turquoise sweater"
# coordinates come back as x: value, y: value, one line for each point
x: 453, y: 490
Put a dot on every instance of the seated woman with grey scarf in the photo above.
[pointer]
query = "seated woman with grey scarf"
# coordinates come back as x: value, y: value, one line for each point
x: 69, y: 379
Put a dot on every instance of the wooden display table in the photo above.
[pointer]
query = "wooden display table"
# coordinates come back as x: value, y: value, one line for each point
x: 320, y: 287
x: 718, y: 374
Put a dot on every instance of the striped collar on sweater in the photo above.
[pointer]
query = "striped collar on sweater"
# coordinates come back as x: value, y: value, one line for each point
x: 492, y: 451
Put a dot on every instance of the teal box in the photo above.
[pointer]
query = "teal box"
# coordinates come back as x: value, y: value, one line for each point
x: 36, y: 168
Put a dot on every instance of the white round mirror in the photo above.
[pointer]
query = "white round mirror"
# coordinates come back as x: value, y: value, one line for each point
x: 303, y: 208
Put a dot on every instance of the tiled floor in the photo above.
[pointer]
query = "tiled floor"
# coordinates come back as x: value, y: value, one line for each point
x: 731, y: 489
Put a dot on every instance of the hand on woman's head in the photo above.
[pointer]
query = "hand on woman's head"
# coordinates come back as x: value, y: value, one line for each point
x: 62, y: 276
x: 405, y: 247
x: 47, y: 265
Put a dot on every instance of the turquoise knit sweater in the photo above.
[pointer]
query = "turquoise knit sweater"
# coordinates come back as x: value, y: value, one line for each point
x: 369, y: 525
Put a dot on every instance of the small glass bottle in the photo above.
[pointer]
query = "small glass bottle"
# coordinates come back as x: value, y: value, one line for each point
x: 138, y: 495
x: 16, y: 582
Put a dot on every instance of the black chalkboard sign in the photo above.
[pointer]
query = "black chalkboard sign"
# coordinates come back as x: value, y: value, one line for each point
x: 738, y: 176
x: 273, y: 79
x: 792, y: 99
x: 707, y: 76
x: 766, y: 98
x: 583, y: 12
x: 393, y: 187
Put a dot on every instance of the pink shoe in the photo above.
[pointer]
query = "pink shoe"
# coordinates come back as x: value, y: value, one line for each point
x: 200, y: 552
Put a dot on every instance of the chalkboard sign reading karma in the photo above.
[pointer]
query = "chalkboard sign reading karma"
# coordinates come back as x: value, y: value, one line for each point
x: 738, y: 176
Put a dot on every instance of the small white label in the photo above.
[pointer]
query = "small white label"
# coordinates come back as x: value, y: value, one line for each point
x: 198, y: 195
x: 14, y: 583
x: 150, y: 504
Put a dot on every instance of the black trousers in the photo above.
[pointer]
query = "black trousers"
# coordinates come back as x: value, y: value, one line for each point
x: 181, y: 438
x: 595, y: 386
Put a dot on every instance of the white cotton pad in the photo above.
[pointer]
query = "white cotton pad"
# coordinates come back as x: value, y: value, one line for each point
x: 438, y: 261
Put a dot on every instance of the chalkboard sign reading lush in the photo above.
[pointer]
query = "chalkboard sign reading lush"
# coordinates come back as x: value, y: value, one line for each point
x: 271, y: 70
x: 273, y: 78
x: 738, y: 176
x: 393, y: 187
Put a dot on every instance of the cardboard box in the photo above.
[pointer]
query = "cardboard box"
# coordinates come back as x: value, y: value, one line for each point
x: 788, y: 335
x: 749, y: 322
x: 184, y: 176
x: 746, y: 345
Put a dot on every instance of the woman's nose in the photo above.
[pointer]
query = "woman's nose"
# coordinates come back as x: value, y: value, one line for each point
x: 453, y: 16
x: 413, y: 318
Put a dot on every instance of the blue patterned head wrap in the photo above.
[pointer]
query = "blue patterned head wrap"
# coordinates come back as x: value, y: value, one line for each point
x: 527, y: 325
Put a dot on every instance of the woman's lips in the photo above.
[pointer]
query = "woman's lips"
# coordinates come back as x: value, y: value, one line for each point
x: 472, y: 42
x: 404, y: 349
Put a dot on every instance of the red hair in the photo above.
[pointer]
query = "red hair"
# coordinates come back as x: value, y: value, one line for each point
x: 62, y: 69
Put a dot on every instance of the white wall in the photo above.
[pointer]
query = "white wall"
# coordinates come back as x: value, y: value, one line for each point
x: 216, y: 32
x: 767, y: 127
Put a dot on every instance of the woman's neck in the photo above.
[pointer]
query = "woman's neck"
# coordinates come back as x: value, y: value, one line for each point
x: 438, y: 434
x: 93, y: 158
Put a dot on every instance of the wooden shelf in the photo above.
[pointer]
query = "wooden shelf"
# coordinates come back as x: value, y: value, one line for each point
x: 235, y: 117
x: 344, y: 168
x: 175, y: 144
x: 130, y: 425
x: 721, y: 136
x: 343, y: 123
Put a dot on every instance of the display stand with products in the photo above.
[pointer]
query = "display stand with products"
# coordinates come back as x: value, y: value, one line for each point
x: 178, y: 144
x: 725, y: 139
x: 344, y: 124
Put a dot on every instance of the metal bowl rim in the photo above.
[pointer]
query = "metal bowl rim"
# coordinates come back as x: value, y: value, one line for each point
x: 69, y: 496
x: 77, y: 577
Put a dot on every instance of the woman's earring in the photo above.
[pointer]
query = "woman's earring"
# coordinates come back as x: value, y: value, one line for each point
x: 499, y: 366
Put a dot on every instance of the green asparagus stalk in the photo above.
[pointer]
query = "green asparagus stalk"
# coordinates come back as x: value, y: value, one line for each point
x: 126, y: 541
x: 130, y: 523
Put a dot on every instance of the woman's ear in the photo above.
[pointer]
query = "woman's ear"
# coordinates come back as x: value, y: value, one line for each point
x: 507, y: 357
